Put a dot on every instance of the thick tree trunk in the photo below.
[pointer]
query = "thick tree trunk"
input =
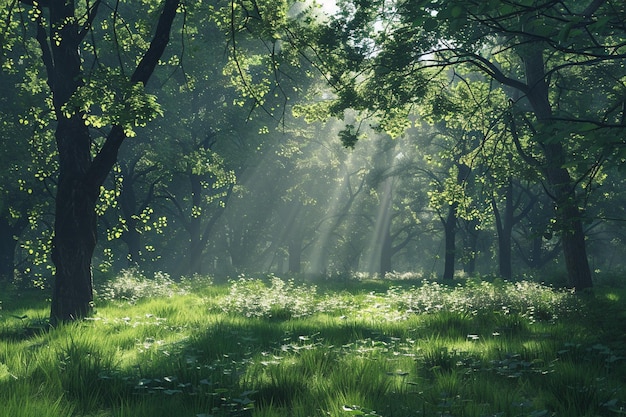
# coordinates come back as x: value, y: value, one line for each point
x: 195, y: 258
x: 75, y: 225
x: 73, y: 245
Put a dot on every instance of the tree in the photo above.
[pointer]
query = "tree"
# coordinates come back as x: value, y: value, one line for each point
x: 26, y: 163
x: 62, y: 29
x: 550, y: 57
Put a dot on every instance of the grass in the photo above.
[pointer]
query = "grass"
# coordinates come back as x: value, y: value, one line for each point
x: 273, y: 347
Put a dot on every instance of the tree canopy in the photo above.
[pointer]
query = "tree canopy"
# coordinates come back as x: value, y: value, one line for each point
x: 443, y: 138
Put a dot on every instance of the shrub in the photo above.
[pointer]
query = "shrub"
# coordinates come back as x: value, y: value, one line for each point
x: 528, y: 299
x: 279, y: 299
x: 131, y: 285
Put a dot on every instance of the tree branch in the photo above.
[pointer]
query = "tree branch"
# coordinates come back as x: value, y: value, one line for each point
x: 529, y: 159
x: 91, y: 15
x: 106, y: 158
x: 46, y: 53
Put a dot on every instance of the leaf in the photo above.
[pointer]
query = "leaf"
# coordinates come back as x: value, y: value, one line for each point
x: 353, y: 410
x: 430, y: 24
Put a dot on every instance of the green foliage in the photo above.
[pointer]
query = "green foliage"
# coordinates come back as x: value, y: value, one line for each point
x: 280, y: 299
x: 131, y: 285
x: 110, y: 98
x: 527, y: 299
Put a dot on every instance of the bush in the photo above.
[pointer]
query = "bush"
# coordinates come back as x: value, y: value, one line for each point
x: 529, y: 299
x: 279, y: 299
x: 131, y: 285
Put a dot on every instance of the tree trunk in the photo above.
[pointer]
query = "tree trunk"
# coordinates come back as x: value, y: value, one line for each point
x: 470, y: 246
x: 561, y: 185
x: 449, y: 228
x: 295, y: 254
x: 75, y: 218
x: 504, y: 254
x: 73, y: 245
x: 504, y: 228
x: 132, y: 238
x: 569, y: 220
x: 128, y: 204
x: 8, y: 243
x: 386, y: 250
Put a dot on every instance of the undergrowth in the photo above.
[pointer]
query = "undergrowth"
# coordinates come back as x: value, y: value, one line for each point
x: 274, y: 347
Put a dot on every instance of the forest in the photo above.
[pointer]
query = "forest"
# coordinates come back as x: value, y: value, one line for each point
x: 439, y: 181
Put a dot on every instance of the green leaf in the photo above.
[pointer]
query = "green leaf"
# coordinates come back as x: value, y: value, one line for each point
x: 430, y: 24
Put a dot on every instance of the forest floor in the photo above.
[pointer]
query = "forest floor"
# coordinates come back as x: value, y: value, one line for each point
x: 356, y: 347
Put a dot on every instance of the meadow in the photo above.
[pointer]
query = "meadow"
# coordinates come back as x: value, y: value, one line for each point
x: 269, y: 346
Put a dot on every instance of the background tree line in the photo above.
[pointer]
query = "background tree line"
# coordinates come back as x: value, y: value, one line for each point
x: 227, y: 137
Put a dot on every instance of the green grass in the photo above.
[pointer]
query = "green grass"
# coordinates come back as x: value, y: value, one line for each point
x: 272, y: 347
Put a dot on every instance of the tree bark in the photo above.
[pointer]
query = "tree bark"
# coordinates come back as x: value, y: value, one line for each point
x: 569, y: 220
x: 73, y: 245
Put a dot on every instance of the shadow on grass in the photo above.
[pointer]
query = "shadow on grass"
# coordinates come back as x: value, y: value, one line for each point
x: 229, y: 364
